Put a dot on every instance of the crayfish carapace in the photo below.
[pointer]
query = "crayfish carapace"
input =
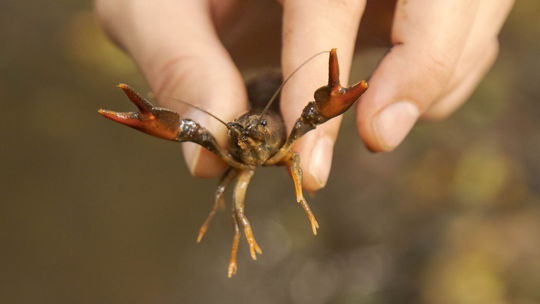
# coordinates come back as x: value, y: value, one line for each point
x: 256, y: 138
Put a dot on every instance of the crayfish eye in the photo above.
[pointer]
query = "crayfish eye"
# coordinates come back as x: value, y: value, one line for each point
x: 263, y: 122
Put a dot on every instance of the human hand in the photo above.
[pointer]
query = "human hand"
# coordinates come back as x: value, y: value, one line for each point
x: 175, y: 46
x: 441, y: 50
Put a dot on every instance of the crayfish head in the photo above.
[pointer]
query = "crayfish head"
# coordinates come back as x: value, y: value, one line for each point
x: 253, y: 140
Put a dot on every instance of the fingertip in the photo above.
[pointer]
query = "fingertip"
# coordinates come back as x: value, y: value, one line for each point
x: 391, y: 125
x: 201, y: 162
x: 321, y: 161
x: 315, y: 159
x: 401, y: 89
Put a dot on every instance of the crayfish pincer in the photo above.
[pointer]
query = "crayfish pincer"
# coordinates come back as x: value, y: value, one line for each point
x: 256, y: 138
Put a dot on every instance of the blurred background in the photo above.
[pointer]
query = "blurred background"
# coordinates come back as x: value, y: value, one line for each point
x: 92, y: 212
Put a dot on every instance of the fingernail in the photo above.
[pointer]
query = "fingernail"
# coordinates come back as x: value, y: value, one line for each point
x: 321, y: 159
x: 192, y: 152
x: 394, y: 122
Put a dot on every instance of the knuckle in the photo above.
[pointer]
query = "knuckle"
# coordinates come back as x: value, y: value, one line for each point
x: 459, y: 90
x: 435, y: 71
x: 439, y: 66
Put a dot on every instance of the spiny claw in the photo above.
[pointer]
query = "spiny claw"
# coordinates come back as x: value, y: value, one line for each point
x: 257, y: 248
x: 219, y: 203
x: 202, y: 231
x: 333, y: 99
x: 155, y: 121
x: 314, y: 224
x: 232, y: 269
x: 253, y: 246
x: 254, y: 249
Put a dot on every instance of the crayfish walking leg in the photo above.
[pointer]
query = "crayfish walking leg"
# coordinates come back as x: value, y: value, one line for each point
x: 292, y: 162
x: 219, y: 202
x: 236, y: 239
x: 239, y: 196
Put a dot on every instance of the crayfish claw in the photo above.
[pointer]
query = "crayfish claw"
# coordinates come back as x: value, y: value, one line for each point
x: 144, y: 105
x: 152, y: 120
x: 253, y: 246
x: 333, y: 69
x: 312, y: 220
x: 232, y: 269
x: 202, y: 231
x: 333, y: 99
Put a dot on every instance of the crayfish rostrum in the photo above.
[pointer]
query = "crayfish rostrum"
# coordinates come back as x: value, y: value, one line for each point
x: 256, y: 138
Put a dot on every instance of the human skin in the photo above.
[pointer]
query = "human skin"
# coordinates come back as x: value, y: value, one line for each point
x: 440, y: 51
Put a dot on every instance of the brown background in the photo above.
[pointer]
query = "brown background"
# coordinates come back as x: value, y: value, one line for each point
x: 91, y: 212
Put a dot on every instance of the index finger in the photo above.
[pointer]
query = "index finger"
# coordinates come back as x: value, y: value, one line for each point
x: 311, y: 26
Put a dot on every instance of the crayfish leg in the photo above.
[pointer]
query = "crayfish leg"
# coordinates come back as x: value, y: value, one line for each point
x: 292, y: 161
x: 236, y: 239
x: 219, y: 202
x: 239, y: 195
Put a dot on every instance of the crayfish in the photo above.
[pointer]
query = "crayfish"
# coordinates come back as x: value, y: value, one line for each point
x: 256, y: 138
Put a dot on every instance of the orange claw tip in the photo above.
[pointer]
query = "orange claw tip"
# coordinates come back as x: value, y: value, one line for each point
x: 144, y: 105
x: 364, y: 84
x: 107, y: 113
x: 201, y: 234
x: 232, y: 269
x: 126, y: 88
x: 125, y: 118
x: 333, y: 70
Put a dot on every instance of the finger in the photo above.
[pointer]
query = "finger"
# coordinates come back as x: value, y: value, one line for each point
x: 311, y: 26
x: 175, y: 45
x: 465, y: 83
x: 478, y: 56
x: 429, y: 38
